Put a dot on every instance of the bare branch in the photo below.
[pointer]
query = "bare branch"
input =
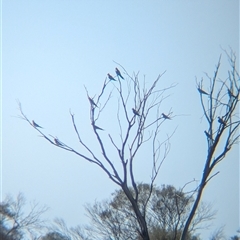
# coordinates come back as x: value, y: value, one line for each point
x: 136, y: 128
x: 221, y: 113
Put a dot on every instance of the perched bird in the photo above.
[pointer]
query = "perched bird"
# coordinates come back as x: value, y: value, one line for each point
x: 57, y: 142
x: 135, y: 112
x: 165, y: 116
x: 230, y: 94
x: 111, y: 77
x: 97, y: 128
x: 202, y: 91
x: 119, y: 73
x: 36, y: 125
x: 92, y: 102
x: 208, y: 135
x: 220, y: 120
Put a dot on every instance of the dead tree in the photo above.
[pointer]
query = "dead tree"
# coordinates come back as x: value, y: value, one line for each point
x: 220, y: 103
x: 139, y: 117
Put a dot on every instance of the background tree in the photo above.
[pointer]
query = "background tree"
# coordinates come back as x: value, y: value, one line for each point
x: 60, y: 231
x: 139, y: 120
x: 15, y: 224
x: 109, y: 219
x: 220, y: 104
x: 166, y: 214
x: 218, y: 234
x: 236, y: 237
x: 54, y: 236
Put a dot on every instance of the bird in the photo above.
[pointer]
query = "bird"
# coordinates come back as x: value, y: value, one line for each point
x: 92, y: 102
x: 230, y: 93
x: 111, y: 77
x: 165, y: 116
x: 36, y: 125
x: 119, y: 73
x: 57, y: 142
x: 135, y: 112
x: 220, y: 120
x: 202, y: 91
x: 208, y: 135
x: 97, y: 128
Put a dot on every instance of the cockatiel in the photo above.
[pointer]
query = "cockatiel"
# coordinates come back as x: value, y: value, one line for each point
x: 111, y: 77
x: 135, y: 112
x: 36, y: 125
x: 57, y: 142
x: 220, y: 120
x: 165, y: 116
x: 92, y: 102
x: 118, y: 73
x: 202, y: 91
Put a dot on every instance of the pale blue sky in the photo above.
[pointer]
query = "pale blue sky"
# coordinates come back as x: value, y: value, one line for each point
x: 51, y: 49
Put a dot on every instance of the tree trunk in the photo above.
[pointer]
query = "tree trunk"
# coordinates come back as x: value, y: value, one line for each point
x: 141, y: 219
x: 191, y: 215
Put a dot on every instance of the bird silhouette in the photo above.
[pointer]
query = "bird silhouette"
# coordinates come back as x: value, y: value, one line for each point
x: 111, y: 77
x: 202, y: 91
x: 118, y: 73
x: 220, y: 120
x: 165, y: 116
x: 36, y: 125
x: 97, y: 128
x: 230, y: 94
x: 135, y: 112
x: 208, y: 135
x: 57, y: 142
x: 92, y: 102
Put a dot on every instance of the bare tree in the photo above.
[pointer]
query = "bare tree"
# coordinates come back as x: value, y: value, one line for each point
x: 220, y: 109
x: 139, y: 121
x: 15, y: 224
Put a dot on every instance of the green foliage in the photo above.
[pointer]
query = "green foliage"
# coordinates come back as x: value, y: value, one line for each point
x: 15, y: 224
x: 54, y: 236
x: 165, y: 214
x: 234, y: 238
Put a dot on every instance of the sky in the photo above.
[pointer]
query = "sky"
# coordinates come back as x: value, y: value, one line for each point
x: 52, y: 49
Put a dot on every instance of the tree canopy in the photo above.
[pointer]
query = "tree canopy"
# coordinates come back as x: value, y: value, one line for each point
x: 166, y: 214
x: 15, y: 223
